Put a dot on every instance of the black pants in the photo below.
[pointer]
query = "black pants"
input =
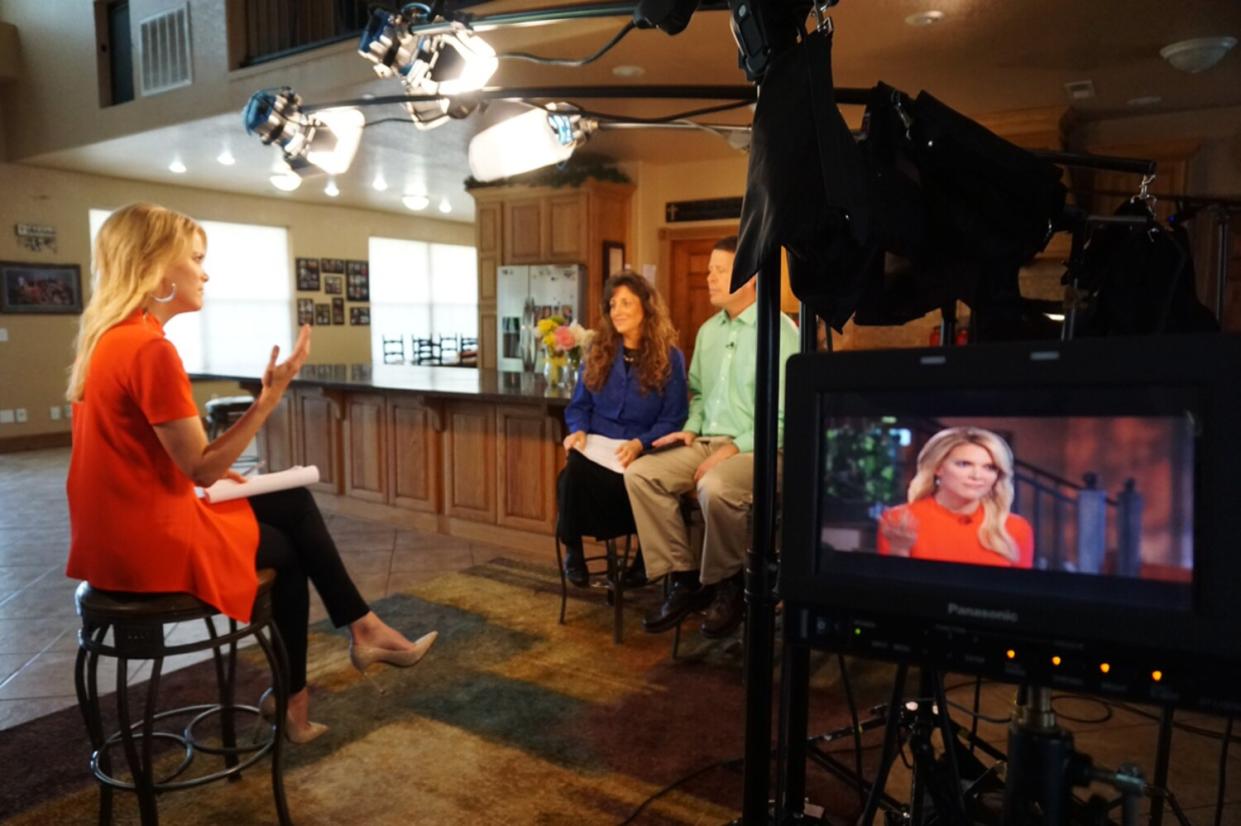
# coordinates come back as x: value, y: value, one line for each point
x: 294, y: 541
x: 591, y: 501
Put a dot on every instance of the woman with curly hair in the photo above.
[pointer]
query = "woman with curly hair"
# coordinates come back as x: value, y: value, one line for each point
x: 631, y: 387
x: 960, y: 503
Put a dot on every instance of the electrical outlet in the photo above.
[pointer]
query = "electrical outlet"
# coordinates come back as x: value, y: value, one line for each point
x: 54, y: 412
x: 4, y: 334
x: 20, y: 413
x: 6, y: 417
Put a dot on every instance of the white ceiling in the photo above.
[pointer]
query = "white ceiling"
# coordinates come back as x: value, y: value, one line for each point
x: 985, y: 56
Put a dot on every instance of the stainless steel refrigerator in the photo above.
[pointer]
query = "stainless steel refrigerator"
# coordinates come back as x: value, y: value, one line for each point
x: 526, y: 294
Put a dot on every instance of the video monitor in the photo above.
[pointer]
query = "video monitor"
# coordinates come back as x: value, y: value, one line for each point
x: 995, y: 508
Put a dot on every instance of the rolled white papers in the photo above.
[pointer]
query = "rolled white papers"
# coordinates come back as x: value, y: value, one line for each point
x: 295, y: 477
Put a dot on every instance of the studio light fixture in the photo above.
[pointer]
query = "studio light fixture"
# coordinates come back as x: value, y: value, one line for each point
x: 534, y: 138
x: 327, y: 139
x: 176, y: 167
x: 417, y: 203
x: 1198, y: 54
x: 450, y: 63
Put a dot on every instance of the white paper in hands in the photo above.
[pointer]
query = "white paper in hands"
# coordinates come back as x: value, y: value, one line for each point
x: 602, y: 451
x: 295, y: 477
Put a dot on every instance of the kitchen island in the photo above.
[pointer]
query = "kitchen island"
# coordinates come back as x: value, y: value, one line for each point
x: 465, y: 452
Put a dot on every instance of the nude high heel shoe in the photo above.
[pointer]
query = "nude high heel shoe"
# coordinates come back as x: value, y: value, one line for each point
x: 364, y: 656
x: 293, y: 732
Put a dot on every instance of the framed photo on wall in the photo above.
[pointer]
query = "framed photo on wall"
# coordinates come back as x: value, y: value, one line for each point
x: 613, y: 258
x: 360, y: 316
x: 332, y: 265
x: 334, y: 284
x: 323, y: 314
x: 305, y: 311
x: 357, y: 281
x: 308, y: 274
x: 40, y: 288
x: 338, y: 311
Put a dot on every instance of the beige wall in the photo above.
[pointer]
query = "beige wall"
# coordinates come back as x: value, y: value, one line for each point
x: 60, y: 79
x: 33, y: 360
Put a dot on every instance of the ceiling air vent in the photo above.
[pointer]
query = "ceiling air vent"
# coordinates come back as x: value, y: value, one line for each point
x: 1080, y: 89
x: 165, y: 51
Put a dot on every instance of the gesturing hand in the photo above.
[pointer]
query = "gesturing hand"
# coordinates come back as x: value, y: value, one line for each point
x: 574, y: 440
x: 681, y: 437
x: 278, y: 375
x: 900, y: 529
x: 628, y: 451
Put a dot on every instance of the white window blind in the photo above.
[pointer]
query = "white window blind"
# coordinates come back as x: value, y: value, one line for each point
x: 248, y: 303
x: 421, y: 290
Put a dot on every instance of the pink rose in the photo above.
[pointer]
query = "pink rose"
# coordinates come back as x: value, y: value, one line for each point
x: 565, y: 339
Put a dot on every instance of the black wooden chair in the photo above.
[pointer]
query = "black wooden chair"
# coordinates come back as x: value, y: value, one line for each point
x: 393, y: 349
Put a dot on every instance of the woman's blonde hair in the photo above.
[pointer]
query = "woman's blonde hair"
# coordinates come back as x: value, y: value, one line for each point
x: 654, y: 361
x: 996, y: 504
x: 134, y: 248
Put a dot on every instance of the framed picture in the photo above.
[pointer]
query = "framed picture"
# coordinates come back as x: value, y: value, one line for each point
x: 323, y: 315
x: 334, y: 284
x: 338, y: 311
x: 332, y: 265
x: 308, y: 274
x: 357, y: 281
x: 360, y: 316
x: 305, y: 311
x: 40, y: 288
x: 613, y: 258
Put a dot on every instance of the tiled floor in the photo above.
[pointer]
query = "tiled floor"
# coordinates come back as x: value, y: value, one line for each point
x: 38, y: 626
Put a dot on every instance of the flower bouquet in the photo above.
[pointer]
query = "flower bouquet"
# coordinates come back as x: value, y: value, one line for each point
x: 563, y: 343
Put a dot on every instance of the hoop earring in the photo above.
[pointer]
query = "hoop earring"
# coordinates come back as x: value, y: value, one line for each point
x: 164, y: 299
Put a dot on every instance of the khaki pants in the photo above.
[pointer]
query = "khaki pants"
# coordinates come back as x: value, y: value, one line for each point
x: 655, y: 483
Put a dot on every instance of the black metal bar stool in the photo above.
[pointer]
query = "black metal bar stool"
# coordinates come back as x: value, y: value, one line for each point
x: 611, y: 577
x: 136, y: 623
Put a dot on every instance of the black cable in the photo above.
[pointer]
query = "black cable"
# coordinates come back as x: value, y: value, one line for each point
x: 974, y: 721
x: 857, y: 727
x: 685, y: 779
x: 563, y: 61
x: 1107, y: 709
x: 999, y: 721
x: 1223, y: 773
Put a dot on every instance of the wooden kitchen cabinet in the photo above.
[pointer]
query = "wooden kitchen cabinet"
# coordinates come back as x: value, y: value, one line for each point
x: 415, y: 424
x: 366, y: 452
x: 317, y: 415
x: 526, y: 468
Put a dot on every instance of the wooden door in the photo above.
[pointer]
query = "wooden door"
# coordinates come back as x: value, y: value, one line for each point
x: 688, y: 302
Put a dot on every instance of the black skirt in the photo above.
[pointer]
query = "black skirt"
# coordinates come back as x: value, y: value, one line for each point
x: 591, y: 501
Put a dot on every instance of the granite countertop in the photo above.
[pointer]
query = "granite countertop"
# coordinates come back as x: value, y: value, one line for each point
x: 465, y: 382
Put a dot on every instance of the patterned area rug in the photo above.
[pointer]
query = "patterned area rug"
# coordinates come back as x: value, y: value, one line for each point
x: 512, y: 718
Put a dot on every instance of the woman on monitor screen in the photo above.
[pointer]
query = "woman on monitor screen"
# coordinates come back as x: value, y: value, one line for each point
x: 959, y: 503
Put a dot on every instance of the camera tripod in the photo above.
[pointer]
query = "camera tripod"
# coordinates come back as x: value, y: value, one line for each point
x: 1030, y: 784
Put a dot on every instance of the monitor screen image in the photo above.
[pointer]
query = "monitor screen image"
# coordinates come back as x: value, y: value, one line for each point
x: 1096, y: 495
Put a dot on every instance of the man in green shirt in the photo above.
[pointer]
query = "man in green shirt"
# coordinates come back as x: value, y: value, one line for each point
x: 711, y: 456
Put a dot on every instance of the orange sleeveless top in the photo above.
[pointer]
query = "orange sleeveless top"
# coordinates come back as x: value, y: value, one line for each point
x: 136, y: 523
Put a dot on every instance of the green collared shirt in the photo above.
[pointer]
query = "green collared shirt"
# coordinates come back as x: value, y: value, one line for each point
x: 721, y: 376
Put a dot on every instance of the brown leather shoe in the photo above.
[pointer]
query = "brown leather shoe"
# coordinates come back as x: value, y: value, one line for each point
x: 727, y: 609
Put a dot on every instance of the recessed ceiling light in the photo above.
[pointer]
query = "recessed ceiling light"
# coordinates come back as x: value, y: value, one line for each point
x: 226, y: 158
x: 416, y: 202
x: 1145, y: 100
x: 444, y: 206
x: 176, y: 167
x: 379, y: 183
x: 925, y: 18
x: 286, y: 181
x: 331, y: 190
x: 628, y: 71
